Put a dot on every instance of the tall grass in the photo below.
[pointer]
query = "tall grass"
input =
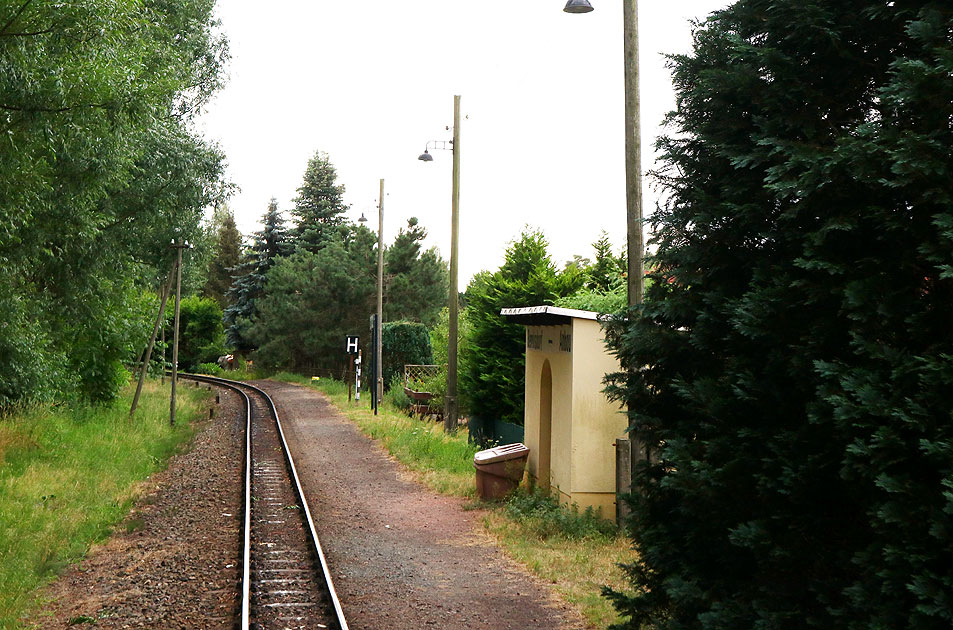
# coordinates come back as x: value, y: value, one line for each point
x: 69, y: 475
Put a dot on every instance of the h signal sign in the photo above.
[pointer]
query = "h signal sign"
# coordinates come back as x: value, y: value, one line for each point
x: 352, y: 342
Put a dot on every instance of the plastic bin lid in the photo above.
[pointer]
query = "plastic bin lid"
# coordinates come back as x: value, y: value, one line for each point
x: 501, y: 453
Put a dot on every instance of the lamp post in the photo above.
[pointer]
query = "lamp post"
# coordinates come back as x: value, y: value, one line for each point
x: 450, y: 417
x: 633, y: 143
x: 378, y: 378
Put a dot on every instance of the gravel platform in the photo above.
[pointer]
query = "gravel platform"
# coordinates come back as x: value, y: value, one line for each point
x: 179, y: 566
x: 402, y: 556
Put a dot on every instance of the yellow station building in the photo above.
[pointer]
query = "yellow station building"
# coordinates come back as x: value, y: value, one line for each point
x: 570, y: 425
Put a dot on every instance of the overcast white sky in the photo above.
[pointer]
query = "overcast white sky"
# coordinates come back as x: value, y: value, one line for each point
x: 371, y: 81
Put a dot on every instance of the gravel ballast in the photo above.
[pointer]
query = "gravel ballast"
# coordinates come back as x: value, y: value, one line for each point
x: 402, y: 556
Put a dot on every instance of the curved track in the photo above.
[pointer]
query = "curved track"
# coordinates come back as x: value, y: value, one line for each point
x: 286, y: 582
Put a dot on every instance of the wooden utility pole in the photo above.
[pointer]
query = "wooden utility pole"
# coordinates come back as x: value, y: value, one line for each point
x: 450, y: 418
x: 175, y: 331
x: 633, y: 180
x: 378, y: 378
x: 152, y: 340
x: 633, y: 152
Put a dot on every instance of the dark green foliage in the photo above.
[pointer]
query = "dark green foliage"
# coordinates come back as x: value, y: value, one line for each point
x: 99, y: 170
x: 607, y: 270
x: 249, y: 278
x: 541, y: 512
x: 494, y: 377
x: 791, y: 367
x: 201, y: 335
x: 416, y: 282
x: 403, y: 343
x: 319, y: 207
x: 312, y: 301
x: 227, y: 250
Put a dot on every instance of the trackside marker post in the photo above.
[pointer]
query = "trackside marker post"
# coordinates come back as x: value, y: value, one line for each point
x: 351, y: 348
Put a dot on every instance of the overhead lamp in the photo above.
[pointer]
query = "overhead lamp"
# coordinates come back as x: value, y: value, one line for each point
x: 425, y: 156
x: 577, y: 6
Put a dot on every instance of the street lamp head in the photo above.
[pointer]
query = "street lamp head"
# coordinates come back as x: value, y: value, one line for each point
x: 577, y: 6
x: 363, y: 219
x: 425, y: 156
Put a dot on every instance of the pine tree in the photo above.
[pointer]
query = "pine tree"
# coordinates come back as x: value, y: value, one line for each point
x: 791, y: 366
x: 249, y: 278
x: 416, y: 282
x: 319, y: 207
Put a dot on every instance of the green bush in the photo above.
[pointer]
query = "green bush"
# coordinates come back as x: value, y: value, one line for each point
x: 542, y: 513
x: 213, y: 369
x: 436, y: 385
x: 792, y: 365
x: 494, y: 375
x: 201, y: 333
x: 395, y: 396
x: 404, y: 343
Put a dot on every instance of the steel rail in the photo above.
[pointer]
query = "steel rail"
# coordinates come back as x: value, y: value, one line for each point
x: 316, y: 543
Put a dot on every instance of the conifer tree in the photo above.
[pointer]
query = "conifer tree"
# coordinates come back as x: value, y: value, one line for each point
x: 319, y: 207
x: 416, y: 282
x: 249, y: 278
x: 494, y: 377
x: 791, y: 367
x: 228, y: 247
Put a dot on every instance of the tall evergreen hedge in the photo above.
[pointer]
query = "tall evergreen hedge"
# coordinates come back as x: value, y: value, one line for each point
x: 403, y: 343
x: 792, y: 367
x: 494, y: 372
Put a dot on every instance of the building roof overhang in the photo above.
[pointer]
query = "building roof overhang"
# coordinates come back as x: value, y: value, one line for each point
x: 547, y: 315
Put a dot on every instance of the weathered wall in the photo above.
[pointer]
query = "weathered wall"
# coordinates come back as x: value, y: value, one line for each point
x: 596, y: 421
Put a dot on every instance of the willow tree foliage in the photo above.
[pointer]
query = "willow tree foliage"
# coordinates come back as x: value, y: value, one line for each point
x: 791, y: 368
x: 99, y: 170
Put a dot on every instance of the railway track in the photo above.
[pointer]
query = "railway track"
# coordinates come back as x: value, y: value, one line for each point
x: 286, y: 583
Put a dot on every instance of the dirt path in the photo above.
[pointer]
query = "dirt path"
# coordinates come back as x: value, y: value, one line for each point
x: 402, y: 556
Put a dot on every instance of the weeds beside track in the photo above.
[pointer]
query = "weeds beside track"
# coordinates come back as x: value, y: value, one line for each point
x: 576, y: 553
x: 68, y: 475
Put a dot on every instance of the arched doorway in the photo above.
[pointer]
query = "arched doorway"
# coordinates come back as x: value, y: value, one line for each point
x: 545, y: 425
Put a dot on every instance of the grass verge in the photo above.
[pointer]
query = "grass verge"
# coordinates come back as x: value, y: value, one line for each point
x: 577, y: 553
x: 442, y: 462
x: 68, y: 476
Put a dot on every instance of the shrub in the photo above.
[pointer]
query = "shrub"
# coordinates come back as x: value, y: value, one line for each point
x: 404, y: 343
x: 396, y: 398
x: 201, y: 333
x: 213, y: 369
x: 546, y: 517
x: 791, y: 367
x: 494, y: 375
